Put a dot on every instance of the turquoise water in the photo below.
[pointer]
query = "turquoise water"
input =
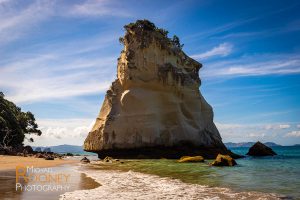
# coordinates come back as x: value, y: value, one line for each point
x: 279, y: 174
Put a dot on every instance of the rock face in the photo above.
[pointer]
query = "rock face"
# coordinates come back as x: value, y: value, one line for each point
x: 259, y: 149
x: 154, y: 108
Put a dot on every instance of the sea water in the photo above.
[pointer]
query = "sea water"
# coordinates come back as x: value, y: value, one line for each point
x: 271, y: 174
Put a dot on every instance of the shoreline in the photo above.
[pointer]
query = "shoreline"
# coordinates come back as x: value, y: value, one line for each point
x: 108, y: 181
x: 117, y: 184
x: 9, y: 163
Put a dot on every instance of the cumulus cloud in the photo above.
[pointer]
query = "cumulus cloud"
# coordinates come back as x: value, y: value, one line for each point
x: 57, y: 132
x: 222, y: 50
x: 82, y: 131
x: 63, y: 131
x: 293, y: 134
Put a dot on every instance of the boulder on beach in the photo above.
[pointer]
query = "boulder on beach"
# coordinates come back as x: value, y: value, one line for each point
x: 259, y: 149
x: 39, y: 155
x: 154, y: 108
x: 224, y: 160
x: 108, y: 159
x: 85, y: 160
x: 49, y: 157
x: 185, y: 159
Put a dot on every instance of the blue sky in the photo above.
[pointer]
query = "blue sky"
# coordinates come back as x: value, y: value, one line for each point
x: 57, y: 59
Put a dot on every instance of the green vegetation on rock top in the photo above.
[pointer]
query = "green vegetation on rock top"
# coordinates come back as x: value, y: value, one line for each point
x: 146, y: 25
x: 15, y: 125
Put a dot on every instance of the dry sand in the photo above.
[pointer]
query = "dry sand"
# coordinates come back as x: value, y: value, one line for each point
x: 10, y: 162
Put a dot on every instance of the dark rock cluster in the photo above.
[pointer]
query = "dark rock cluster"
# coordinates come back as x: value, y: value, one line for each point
x: 27, y: 151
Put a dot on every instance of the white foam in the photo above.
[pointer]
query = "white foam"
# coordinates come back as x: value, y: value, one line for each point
x: 117, y: 185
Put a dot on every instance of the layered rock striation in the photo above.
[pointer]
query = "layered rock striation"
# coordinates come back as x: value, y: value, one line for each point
x: 154, y: 108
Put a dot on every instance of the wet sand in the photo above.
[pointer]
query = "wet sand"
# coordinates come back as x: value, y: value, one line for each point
x: 77, y: 181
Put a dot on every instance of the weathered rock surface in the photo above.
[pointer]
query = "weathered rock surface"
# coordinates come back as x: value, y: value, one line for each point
x: 154, y: 108
x: 259, y: 149
x: 224, y: 160
x: 185, y: 159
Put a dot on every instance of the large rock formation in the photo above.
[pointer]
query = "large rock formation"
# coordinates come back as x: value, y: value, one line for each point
x: 154, y: 108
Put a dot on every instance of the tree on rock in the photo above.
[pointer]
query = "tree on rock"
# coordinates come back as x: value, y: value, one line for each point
x: 175, y: 40
x: 15, y: 125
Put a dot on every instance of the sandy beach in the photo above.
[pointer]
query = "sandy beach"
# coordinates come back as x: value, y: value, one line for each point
x: 76, y: 181
x: 10, y: 162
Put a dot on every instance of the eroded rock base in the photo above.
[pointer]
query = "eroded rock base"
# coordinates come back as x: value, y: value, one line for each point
x: 165, y: 152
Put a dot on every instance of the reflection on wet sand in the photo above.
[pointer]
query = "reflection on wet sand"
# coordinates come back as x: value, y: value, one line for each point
x: 77, y: 181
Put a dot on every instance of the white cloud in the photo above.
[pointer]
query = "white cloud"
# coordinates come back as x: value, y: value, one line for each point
x: 284, y: 126
x: 223, y: 49
x: 228, y: 126
x: 59, y: 71
x: 15, y: 22
x: 99, y: 8
x: 256, y: 135
x: 18, y: 19
x: 74, y: 131
x: 254, y: 65
x: 242, y: 132
x: 293, y: 134
x: 82, y: 131
x: 257, y: 132
x: 57, y: 132
x: 277, y: 126
x: 56, y: 69
x: 62, y: 131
